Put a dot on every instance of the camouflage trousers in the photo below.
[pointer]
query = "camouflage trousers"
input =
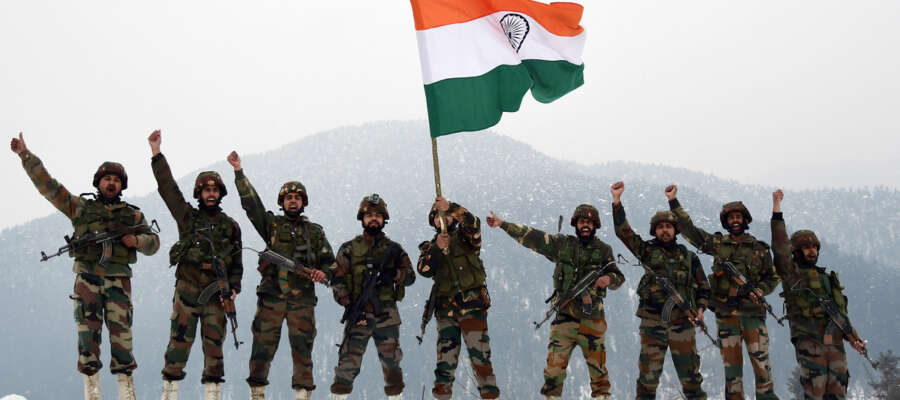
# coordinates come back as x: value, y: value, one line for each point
x: 472, y: 326
x: 732, y: 330
x: 185, y: 315
x: 656, y: 338
x: 271, y: 312
x: 385, y: 331
x: 567, y: 331
x: 823, y: 368
x: 100, y: 300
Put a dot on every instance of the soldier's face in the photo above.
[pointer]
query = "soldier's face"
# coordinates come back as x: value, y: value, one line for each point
x: 210, y: 195
x: 292, y: 202
x: 665, y: 232
x: 373, y: 219
x: 810, y: 253
x: 110, y: 186
x: 735, y: 220
x: 584, y: 227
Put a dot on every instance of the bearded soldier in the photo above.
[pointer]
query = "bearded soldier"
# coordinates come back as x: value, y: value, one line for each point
x: 580, y: 322
x: 818, y: 342
x: 371, y: 273
x: 459, y: 295
x: 205, y: 236
x: 665, y: 258
x: 739, y: 316
x: 284, y: 294
x: 103, y: 273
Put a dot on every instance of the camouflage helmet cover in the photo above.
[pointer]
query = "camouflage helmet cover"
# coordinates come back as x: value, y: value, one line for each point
x: 209, y: 178
x: 804, y: 237
x: 373, y: 202
x: 663, y: 216
x: 111, y: 168
x: 292, y: 187
x: 738, y: 206
x: 586, y: 211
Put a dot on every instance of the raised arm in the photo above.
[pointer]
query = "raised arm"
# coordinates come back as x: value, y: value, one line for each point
x: 628, y: 236
x: 544, y: 244
x: 250, y: 201
x: 52, y: 190
x: 165, y: 182
x: 781, y: 246
x: 701, y: 239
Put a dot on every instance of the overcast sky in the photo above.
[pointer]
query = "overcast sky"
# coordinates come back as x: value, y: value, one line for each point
x: 800, y: 94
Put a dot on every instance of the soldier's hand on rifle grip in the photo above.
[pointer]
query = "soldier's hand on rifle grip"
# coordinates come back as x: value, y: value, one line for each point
x: 443, y: 241
x: 316, y: 275
x: 130, y: 241
x: 859, y: 345
x: 755, y: 295
x: 697, y: 318
x: 671, y: 192
x: 493, y: 220
x: 602, y: 282
x: 235, y: 160
x: 155, y: 140
x: 233, y: 295
x: 17, y: 145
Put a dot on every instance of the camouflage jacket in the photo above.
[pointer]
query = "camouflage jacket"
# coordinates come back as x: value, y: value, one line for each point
x: 802, y: 286
x: 295, y: 238
x: 354, y: 257
x: 192, y: 253
x: 85, y: 212
x: 459, y: 275
x: 750, y: 256
x: 681, y: 266
x: 574, y: 260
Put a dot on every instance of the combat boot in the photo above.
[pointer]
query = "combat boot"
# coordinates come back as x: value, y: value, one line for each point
x: 602, y: 397
x: 257, y: 393
x: 212, y: 391
x: 126, y: 387
x: 335, y: 396
x: 302, y: 394
x: 551, y: 397
x: 170, y: 390
x: 92, y: 387
x: 396, y: 397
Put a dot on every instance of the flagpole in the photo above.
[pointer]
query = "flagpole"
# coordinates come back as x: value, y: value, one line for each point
x: 437, y: 167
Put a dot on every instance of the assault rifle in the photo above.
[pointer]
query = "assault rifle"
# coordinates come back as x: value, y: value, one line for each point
x: 220, y: 287
x: 281, y: 261
x: 843, y: 323
x: 427, y: 313
x: 560, y: 302
x: 747, y: 286
x: 675, y: 299
x: 103, y: 238
x: 374, y: 276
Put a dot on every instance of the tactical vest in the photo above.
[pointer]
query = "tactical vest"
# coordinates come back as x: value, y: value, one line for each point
x: 574, y: 261
x: 461, y: 270
x: 677, y: 269
x: 97, y: 217
x: 363, y: 257
x: 193, y: 246
x: 742, y: 255
x: 297, y: 240
x: 801, y: 303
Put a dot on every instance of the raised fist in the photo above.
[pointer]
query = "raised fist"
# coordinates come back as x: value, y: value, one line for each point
x: 616, y: 190
x: 671, y: 192
x: 155, y: 140
x: 235, y: 160
x: 18, y: 145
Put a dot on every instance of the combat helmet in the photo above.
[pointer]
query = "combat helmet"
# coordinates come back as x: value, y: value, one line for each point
x: 663, y: 216
x: 375, y: 203
x: 586, y: 211
x: 804, y: 237
x: 734, y: 206
x: 111, y: 168
x: 293, y: 187
x: 209, y: 178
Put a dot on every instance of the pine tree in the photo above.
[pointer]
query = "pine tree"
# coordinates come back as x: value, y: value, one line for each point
x: 888, y: 387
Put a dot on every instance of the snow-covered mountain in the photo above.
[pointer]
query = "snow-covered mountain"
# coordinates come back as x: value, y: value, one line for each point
x: 482, y: 171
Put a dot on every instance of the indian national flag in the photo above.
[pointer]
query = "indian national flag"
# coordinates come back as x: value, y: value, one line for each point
x: 479, y: 57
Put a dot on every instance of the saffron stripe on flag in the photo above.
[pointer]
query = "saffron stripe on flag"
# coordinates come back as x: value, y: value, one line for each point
x: 560, y: 18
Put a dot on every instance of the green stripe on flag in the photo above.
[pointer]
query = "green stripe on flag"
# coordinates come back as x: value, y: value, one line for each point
x: 476, y: 103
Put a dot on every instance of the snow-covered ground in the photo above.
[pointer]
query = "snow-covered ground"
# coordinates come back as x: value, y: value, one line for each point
x: 12, y: 397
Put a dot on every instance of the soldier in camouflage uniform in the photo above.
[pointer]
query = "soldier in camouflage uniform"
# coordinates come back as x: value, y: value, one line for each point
x: 103, y: 279
x: 282, y: 294
x: 204, y: 232
x: 739, y: 316
x: 669, y: 259
x: 371, y: 256
x: 818, y: 343
x: 453, y: 260
x: 582, y: 322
